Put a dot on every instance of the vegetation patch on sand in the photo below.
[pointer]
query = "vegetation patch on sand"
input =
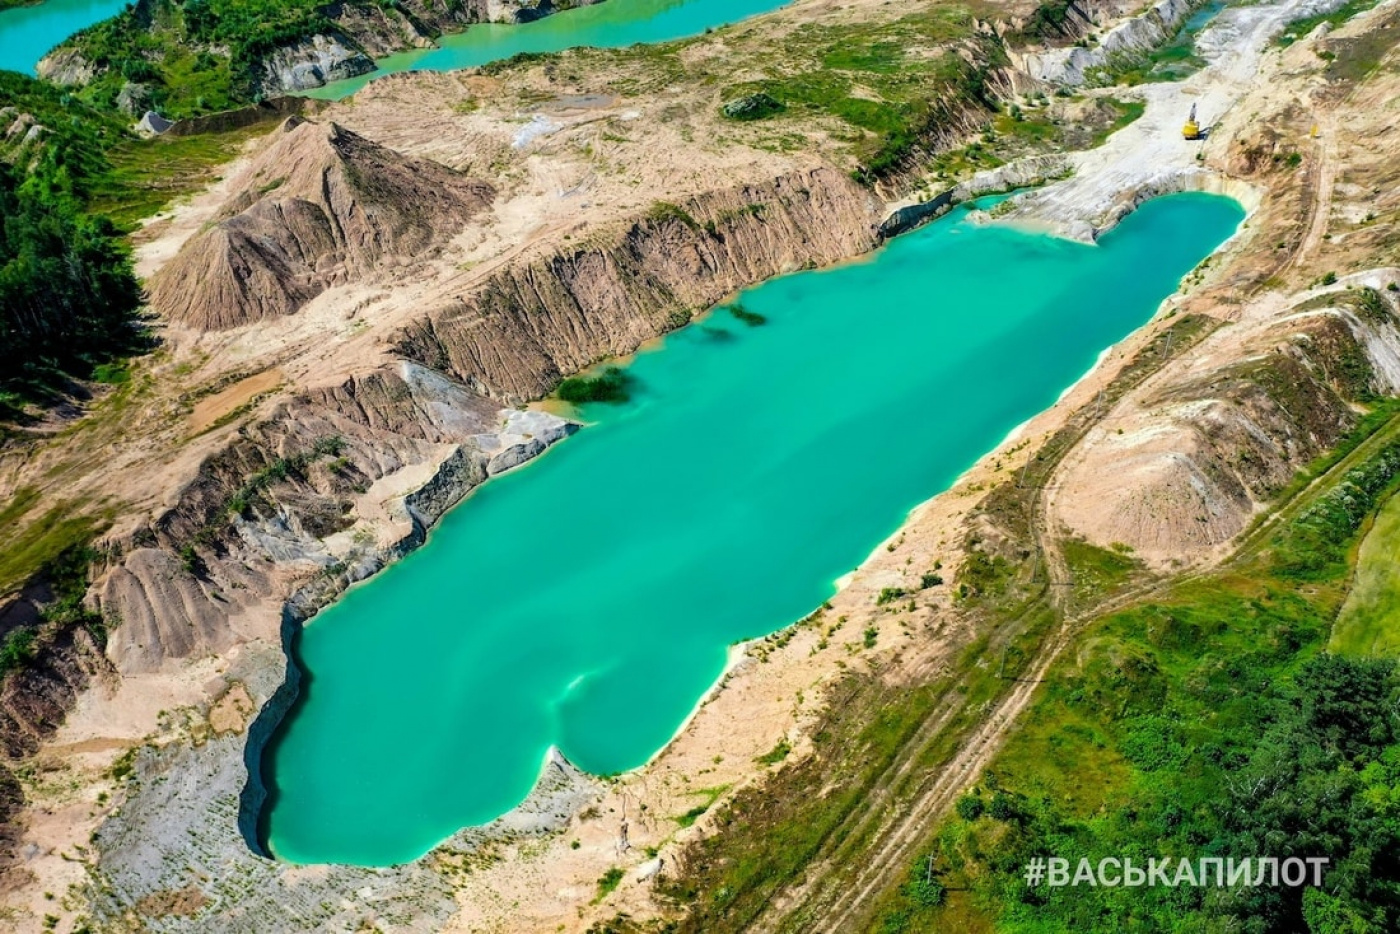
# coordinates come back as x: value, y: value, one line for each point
x: 612, y: 385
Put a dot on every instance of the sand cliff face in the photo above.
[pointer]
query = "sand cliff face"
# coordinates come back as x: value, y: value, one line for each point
x: 532, y: 324
x: 1136, y: 36
x: 1186, y: 463
x: 319, y: 207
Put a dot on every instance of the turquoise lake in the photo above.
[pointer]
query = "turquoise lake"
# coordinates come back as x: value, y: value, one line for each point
x: 28, y: 32
x: 588, y: 599
x: 609, y: 25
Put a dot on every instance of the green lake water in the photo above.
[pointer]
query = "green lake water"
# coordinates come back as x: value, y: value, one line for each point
x: 28, y: 32
x: 588, y: 599
x: 611, y: 24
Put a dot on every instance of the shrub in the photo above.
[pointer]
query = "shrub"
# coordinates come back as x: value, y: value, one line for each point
x: 610, y: 880
x: 612, y: 386
x: 889, y: 595
x: 970, y: 807
x: 753, y: 107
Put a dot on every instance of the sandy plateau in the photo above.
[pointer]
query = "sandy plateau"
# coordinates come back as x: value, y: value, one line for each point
x: 133, y: 803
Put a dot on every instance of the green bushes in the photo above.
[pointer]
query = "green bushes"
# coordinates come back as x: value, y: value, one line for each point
x: 1315, y: 545
x: 195, y: 57
x: 889, y: 595
x: 775, y: 755
x: 610, y: 881
x: 755, y: 106
x: 613, y: 385
x: 1048, y: 21
x: 17, y: 651
x: 662, y: 212
x: 68, y: 297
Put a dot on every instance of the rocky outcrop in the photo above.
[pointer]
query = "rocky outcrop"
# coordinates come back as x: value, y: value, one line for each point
x: 320, y: 207
x: 35, y: 698
x: 66, y: 66
x: 535, y: 322
x: 312, y: 63
x: 1070, y: 66
x: 134, y: 99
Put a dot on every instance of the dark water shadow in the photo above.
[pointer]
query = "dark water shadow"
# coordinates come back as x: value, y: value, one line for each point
x: 259, y: 795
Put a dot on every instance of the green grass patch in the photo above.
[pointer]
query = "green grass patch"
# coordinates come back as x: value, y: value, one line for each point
x: 1302, y: 27
x: 1369, y: 624
x: 1096, y: 573
x: 609, y: 882
x: 663, y: 212
x: 113, y: 373
x: 1128, y: 112
x: 27, y: 552
x: 148, y: 175
x: 775, y: 755
x: 711, y: 795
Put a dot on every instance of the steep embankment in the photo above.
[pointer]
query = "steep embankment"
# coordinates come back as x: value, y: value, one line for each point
x: 530, y: 325
x: 319, y: 207
x: 1198, y: 453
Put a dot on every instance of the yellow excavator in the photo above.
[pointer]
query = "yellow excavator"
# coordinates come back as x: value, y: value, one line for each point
x: 1192, y: 129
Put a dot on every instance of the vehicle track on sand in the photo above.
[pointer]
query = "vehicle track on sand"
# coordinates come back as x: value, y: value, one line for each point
x: 1326, y: 180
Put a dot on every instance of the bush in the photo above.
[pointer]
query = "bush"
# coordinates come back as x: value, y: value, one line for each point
x: 926, y: 893
x: 610, y: 880
x: 612, y: 386
x: 889, y: 595
x: 753, y: 107
x: 18, y: 650
x: 969, y: 807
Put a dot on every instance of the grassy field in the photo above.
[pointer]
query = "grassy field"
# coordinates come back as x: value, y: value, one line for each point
x: 1369, y: 623
x: 147, y: 175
